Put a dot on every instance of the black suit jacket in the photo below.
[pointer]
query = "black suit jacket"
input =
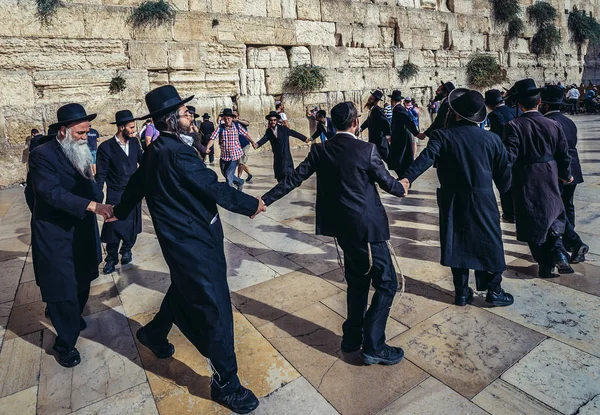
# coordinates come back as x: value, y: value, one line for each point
x: 379, y: 128
x: 348, y: 204
x: 440, y: 119
x: 329, y: 132
x: 570, y: 130
x: 499, y: 117
x: 36, y: 141
x: 401, y: 151
x: 283, y: 164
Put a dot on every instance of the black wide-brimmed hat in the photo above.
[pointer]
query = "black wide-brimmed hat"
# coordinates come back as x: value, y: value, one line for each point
x: 396, y: 95
x: 192, y: 111
x: 273, y: 114
x: 493, y: 97
x: 70, y: 113
x: 163, y: 100
x: 377, y: 94
x: 123, y: 117
x: 449, y: 86
x: 523, y: 88
x: 206, y: 116
x: 553, y: 94
x: 468, y: 104
x: 227, y: 112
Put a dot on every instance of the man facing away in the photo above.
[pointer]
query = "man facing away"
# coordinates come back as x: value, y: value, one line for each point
x: 65, y: 244
x: 207, y: 127
x: 117, y: 160
x: 377, y: 124
x: 468, y: 160
x: 348, y: 208
x: 403, y: 129
x: 182, y: 196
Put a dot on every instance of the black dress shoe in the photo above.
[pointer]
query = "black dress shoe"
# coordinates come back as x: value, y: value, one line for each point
x: 162, y: 351
x: 499, y: 299
x: 578, y: 254
x: 109, y: 268
x: 242, y: 401
x: 463, y: 300
x: 387, y: 356
x: 348, y: 347
x: 126, y: 258
x: 69, y: 359
x: 546, y: 271
x: 562, y: 264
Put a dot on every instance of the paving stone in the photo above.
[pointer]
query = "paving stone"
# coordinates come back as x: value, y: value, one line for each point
x: 296, y: 398
x: 4, y: 313
x: 137, y: 400
x: 318, y: 260
x: 22, y: 403
x: 11, y: 248
x: 421, y: 262
x: 243, y: 270
x: 278, y: 263
x: 501, y: 397
x: 419, y: 302
x: 558, y: 375
x: 10, y: 273
x: 20, y: 363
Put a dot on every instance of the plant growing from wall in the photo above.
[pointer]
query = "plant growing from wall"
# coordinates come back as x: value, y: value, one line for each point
x: 540, y: 13
x: 303, y: 79
x: 46, y: 10
x: 408, y: 71
x: 152, y: 13
x: 117, y: 84
x: 215, y: 22
x: 503, y: 11
x: 484, y: 71
x: 547, y: 38
x: 515, y: 28
x: 583, y: 27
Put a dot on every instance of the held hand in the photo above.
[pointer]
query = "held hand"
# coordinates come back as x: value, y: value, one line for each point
x: 106, y: 211
x: 406, y: 184
x: 307, y: 141
x: 208, y: 150
x: 421, y: 136
x: 389, y: 138
x: 261, y: 208
x: 254, y: 145
x: 567, y: 181
x: 112, y: 219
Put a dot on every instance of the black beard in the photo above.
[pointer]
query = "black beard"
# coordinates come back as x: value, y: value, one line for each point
x: 440, y: 96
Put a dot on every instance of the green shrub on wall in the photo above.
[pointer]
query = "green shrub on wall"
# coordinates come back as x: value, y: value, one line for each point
x: 303, y: 79
x: 583, y: 27
x: 117, y: 84
x: 515, y: 28
x: 547, y: 38
x: 152, y: 13
x: 408, y: 71
x: 541, y: 13
x: 484, y: 71
x: 46, y: 10
x: 503, y: 11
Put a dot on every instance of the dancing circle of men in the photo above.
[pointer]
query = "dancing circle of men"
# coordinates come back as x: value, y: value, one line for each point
x: 531, y: 158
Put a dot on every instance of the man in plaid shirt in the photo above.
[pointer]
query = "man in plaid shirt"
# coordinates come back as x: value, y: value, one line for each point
x: 231, y: 151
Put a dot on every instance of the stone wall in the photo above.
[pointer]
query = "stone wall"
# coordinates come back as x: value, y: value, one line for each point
x: 238, y: 53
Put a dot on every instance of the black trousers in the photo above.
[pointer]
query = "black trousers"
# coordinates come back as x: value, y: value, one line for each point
x: 485, y: 280
x: 571, y: 239
x: 508, y: 207
x: 112, y: 248
x: 546, y: 253
x: 360, y: 327
x: 66, y: 318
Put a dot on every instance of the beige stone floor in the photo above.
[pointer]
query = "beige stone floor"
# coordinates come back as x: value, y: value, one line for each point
x: 540, y: 356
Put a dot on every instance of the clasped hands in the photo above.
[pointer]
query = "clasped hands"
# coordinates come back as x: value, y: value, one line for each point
x: 106, y: 211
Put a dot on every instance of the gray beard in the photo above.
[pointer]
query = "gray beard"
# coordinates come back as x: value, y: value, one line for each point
x: 79, y: 155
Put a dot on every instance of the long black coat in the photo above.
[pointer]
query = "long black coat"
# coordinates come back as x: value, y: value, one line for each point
x: 570, y: 130
x: 283, y: 164
x: 348, y: 204
x: 379, y: 129
x: 401, y: 150
x: 440, y: 119
x: 468, y: 160
x: 499, y: 117
x: 182, y: 195
x: 64, y: 237
x: 539, y: 155
x: 36, y: 141
x: 115, y: 168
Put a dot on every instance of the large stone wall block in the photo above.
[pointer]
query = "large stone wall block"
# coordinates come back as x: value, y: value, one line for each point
x: 275, y: 79
x: 387, y: 37
x: 338, y: 11
x: 381, y: 58
x: 369, y: 14
x: 381, y: 78
x: 19, y: 20
x: 157, y: 79
x: 12, y: 171
x: 427, y: 39
x: 195, y: 26
x: 344, y: 79
x: 309, y: 9
x: 211, y: 83
x: 148, y: 54
x: 17, y: 88
x: 19, y: 120
x: 288, y: 9
x: 162, y: 32
x: 299, y: 55
x: 267, y: 57
x: 401, y: 56
x: 463, y: 7
x: 246, y: 7
x: 254, y: 109
x: 222, y: 56
x: 315, y: 33
x: 274, y: 8
x: 183, y: 55
x: 252, y: 82
x: 320, y: 56
x: 45, y: 53
x: 258, y: 31
x: 447, y: 58
x: 200, y: 6
x: 107, y: 22
x: 366, y: 36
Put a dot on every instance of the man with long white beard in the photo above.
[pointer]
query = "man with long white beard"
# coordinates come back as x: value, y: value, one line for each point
x: 65, y: 244
x: 117, y: 159
x: 182, y: 196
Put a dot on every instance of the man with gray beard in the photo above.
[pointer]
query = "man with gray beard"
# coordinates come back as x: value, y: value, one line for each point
x: 65, y: 243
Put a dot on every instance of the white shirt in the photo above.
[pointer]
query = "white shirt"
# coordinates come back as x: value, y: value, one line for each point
x: 573, y: 93
x: 124, y: 147
x: 283, y: 116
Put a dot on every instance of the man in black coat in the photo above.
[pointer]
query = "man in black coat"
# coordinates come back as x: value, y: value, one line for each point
x: 207, y: 127
x: 539, y: 155
x: 65, y: 244
x: 348, y: 208
x: 116, y: 161
x: 182, y: 196
x: 441, y: 95
x: 403, y: 128
x: 36, y: 141
x: 552, y: 100
x: 468, y: 160
x: 279, y: 137
x: 499, y: 115
x: 325, y: 129
x: 378, y: 125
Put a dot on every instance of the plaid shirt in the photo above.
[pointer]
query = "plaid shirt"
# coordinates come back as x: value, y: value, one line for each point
x: 229, y: 142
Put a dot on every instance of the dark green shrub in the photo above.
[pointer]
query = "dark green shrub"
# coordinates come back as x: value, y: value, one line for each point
x: 117, y: 84
x: 541, y: 13
x: 503, y: 11
x: 215, y: 22
x: 46, y: 10
x: 305, y: 78
x: 515, y: 28
x: 408, y: 71
x: 152, y: 13
x: 546, y: 40
x: 484, y: 71
x: 583, y: 27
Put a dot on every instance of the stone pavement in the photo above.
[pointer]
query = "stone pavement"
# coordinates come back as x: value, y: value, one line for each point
x: 540, y: 356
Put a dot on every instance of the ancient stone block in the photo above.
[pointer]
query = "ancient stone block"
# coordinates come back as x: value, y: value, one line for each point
x: 107, y: 22
x: 194, y: 26
x: 157, y: 79
x: 200, y: 5
x: 274, y: 8
x: 407, y: 3
x: 429, y: 4
x: 17, y: 88
x: 44, y: 53
x: 206, y: 83
x: 447, y: 58
x: 369, y: 14
x: 267, y: 57
x: 461, y: 40
x: 148, y: 54
x: 246, y: 7
x: 401, y: 56
x: 386, y: 38
x: 253, y: 30
x: 339, y: 11
x: 275, y: 80
x: 222, y: 56
x: 308, y: 9
x: 12, y: 171
x: 162, y: 32
x: 18, y: 122
x: 463, y: 6
x: 299, y: 55
x: 288, y: 9
x: 381, y: 78
x: 254, y: 109
x: 315, y: 33
x: 345, y: 79
x: 19, y: 20
x: 183, y: 55
x: 381, y: 58
x: 252, y: 82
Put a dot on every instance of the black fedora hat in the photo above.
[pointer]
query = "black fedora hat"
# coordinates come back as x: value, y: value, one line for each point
x: 468, y: 104
x: 524, y: 87
x: 192, y: 111
x: 273, y: 114
x: 206, y: 116
x: 163, y: 99
x: 449, y: 86
x: 553, y: 94
x: 227, y: 112
x: 493, y: 97
x: 123, y: 117
x: 70, y: 113
x: 396, y: 95
x: 377, y: 94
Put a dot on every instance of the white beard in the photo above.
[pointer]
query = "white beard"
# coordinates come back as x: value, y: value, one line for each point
x: 79, y: 155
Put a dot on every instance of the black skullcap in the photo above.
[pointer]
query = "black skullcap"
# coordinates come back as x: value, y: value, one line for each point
x: 341, y: 114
